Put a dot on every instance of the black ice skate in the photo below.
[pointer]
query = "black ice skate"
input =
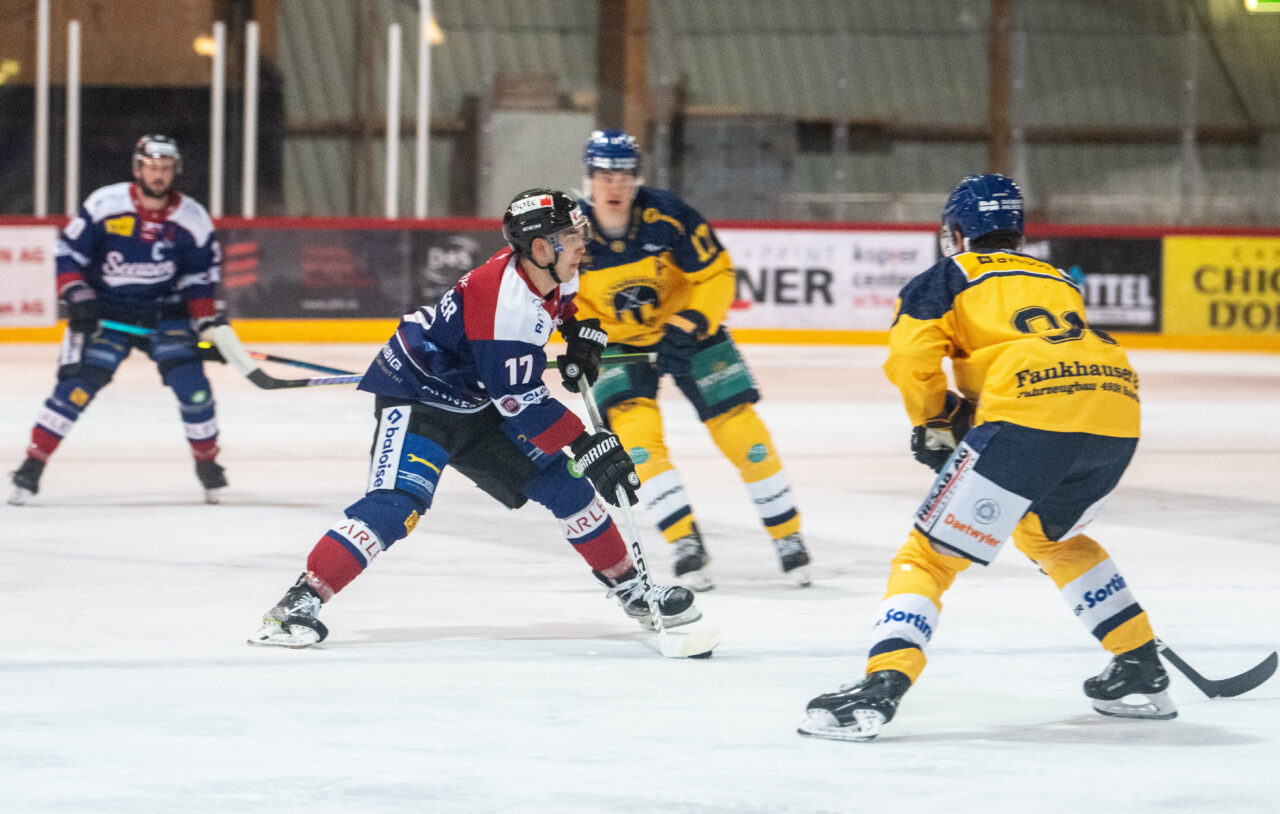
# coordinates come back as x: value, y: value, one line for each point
x: 856, y: 712
x: 793, y: 557
x: 691, y: 561
x: 292, y: 622
x: 1137, y: 672
x: 212, y: 478
x: 674, y: 602
x: 26, y: 481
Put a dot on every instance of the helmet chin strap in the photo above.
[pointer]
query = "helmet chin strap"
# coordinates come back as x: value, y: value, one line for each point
x: 550, y: 268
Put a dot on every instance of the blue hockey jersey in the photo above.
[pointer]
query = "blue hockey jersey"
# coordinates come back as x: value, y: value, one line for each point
x: 483, y: 343
x: 137, y: 260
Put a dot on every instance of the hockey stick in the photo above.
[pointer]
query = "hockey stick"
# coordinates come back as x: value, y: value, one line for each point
x: 696, y: 644
x: 1225, y: 687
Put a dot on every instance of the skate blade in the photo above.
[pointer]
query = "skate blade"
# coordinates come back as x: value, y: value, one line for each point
x: 212, y: 496
x: 800, y: 576
x: 19, y: 496
x: 696, y: 644
x: 685, y: 617
x: 273, y: 635
x: 700, y: 580
x: 822, y: 724
x: 1156, y: 707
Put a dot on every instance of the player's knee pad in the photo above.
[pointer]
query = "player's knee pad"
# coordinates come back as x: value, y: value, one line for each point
x: 187, y: 381
x: 389, y: 515
x: 745, y: 441
x: 559, y: 489
x: 1062, y: 560
x: 920, y: 568
x: 74, y: 394
x: 638, y: 425
x: 408, y: 463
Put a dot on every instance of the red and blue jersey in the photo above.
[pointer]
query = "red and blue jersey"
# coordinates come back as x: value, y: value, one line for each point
x: 483, y: 343
x: 139, y: 261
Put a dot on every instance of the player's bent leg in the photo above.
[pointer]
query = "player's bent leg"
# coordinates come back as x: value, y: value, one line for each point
x: 184, y: 375
x: 745, y: 441
x: 586, y: 524
x: 77, y: 386
x: 639, y: 426
x: 1098, y: 595
x: 905, y: 623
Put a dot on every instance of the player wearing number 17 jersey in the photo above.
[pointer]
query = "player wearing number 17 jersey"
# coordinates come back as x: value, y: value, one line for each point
x: 460, y: 385
x: 1055, y: 425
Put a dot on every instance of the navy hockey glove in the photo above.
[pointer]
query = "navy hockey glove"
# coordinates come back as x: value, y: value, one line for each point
x: 586, y: 341
x: 607, y: 465
x: 82, y: 308
x: 933, y: 441
x: 677, y: 347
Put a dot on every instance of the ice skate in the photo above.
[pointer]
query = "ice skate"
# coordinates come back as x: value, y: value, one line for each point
x: 292, y: 622
x: 856, y: 712
x: 691, y: 561
x: 1137, y: 672
x: 794, y: 558
x: 26, y: 481
x: 675, y: 603
x: 213, y: 479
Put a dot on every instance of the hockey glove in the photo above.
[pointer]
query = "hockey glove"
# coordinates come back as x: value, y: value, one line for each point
x: 933, y: 441
x: 586, y: 341
x: 607, y: 465
x: 675, y: 350
x: 82, y: 308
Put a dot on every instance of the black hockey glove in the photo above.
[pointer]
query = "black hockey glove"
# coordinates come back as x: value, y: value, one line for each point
x: 82, y: 308
x: 675, y: 351
x: 933, y: 441
x: 586, y: 341
x: 602, y: 459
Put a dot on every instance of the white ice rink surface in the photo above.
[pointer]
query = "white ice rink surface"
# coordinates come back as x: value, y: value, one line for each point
x: 478, y: 667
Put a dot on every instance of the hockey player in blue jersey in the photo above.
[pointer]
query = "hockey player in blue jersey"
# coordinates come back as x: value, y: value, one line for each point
x: 460, y: 385
x: 143, y: 253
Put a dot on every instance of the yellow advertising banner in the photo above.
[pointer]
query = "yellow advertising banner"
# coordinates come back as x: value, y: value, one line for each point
x: 1222, y: 285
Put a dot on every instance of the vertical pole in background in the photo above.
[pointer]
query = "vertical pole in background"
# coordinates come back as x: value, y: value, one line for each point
x: 1189, y: 175
x: 41, y: 196
x: 217, y: 118
x: 72, y: 180
x: 1018, y: 110
x: 249, y: 165
x: 392, y: 177
x: 998, y: 47
x: 421, y: 170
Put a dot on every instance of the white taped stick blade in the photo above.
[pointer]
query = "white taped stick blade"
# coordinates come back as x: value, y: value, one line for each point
x: 696, y: 644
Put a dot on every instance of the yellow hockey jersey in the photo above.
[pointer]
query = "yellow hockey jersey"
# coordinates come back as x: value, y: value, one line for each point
x: 668, y: 262
x: 1015, y: 330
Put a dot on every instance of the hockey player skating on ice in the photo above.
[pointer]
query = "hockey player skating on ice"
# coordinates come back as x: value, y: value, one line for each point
x: 658, y: 280
x: 1056, y: 424
x: 460, y: 385
x: 145, y: 254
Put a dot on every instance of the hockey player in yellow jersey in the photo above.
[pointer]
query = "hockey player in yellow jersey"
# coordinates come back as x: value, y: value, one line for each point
x: 658, y: 280
x: 1055, y: 426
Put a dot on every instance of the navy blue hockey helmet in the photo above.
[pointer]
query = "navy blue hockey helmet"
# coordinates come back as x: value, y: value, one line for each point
x: 612, y: 150
x: 541, y: 213
x: 981, y: 205
x: 157, y: 146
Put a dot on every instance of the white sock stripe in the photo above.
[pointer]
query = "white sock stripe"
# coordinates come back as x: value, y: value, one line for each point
x: 55, y: 423
x: 906, y: 616
x: 362, y: 539
x: 1098, y: 594
x: 663, y: 494
x: 584, y: 522
x: 201, y: 431
x: 772, y: 495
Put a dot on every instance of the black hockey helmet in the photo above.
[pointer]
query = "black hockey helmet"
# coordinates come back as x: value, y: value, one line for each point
x: 157, y: 146
x: 541, y: 213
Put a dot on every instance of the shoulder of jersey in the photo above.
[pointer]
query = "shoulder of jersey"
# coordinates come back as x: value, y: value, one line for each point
x: 979, y: 264
x: 192, y: 216
x: 110, y: 200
